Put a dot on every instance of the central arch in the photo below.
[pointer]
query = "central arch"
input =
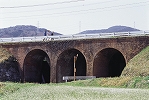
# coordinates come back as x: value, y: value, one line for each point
x: 65, y: 64
x: 36, y: 67
x: 108, y: 62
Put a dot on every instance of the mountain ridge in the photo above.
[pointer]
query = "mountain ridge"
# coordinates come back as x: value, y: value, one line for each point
x: 112, y: 29
x: 24, y: 31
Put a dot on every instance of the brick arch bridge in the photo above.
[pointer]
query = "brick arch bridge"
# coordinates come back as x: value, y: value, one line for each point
x: 50, y: 61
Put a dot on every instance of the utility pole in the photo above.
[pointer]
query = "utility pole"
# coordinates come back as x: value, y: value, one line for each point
x: 37, y: 28
x: 75, y: 59
x: 79, y: 26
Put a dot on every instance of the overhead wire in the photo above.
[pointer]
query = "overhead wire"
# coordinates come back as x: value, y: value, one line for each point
x: 82, y: 5
x: 86, y: 10
x: 42, y: 4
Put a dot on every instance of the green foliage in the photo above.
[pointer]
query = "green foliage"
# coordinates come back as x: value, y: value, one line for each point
x: 123, y: 82
x: 79, y: 90
x: 9, y: 87
x: 139, y: 82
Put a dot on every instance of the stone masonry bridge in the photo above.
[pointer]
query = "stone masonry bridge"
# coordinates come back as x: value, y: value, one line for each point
x: 50, y: 61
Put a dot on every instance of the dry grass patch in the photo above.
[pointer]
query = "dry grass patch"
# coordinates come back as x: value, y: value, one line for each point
x: 4, y: 54
x: 102, y: 82
x: 139, y: 65
x: 114, y: 82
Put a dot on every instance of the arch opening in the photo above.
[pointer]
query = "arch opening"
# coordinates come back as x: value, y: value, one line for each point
x: 108, y: 62
x: 9, y: 70
x: 65, y: 64
x: 36, y: 67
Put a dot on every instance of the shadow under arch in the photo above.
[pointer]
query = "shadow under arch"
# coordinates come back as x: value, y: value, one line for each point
x: 36, y: 67
x: 108, y: 62
x: 65, y: 64
x: 10, y: 70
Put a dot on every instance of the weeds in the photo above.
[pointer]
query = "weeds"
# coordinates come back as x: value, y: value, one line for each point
x: 139, y: 65
x: 28, y: 91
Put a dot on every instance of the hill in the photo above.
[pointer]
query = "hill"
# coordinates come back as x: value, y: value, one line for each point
x: 111, y: 30
x: 23, y: 31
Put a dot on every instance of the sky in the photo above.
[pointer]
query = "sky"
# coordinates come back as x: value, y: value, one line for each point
x: 74, y: 16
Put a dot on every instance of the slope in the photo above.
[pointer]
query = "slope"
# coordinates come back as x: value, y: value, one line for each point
x: 139, y: 65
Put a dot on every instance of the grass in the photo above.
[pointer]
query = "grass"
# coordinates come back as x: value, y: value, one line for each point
x: 118, y: 82
x: 139, y: 65
x: 95, y: 89
x: 102, y: 82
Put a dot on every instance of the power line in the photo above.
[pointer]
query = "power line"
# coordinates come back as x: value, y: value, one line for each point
x: 43, y: 4
x: 91, y: 4
x: 93, y: 9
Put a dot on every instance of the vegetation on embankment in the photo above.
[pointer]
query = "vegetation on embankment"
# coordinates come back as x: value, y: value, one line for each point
x: 139, y: 65
x: 4, y: 55
x: 116, y: 82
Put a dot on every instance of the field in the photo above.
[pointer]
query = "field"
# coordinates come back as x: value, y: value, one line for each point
x: 62, y: 92
x: 124, y: 89
x: 52, y: 92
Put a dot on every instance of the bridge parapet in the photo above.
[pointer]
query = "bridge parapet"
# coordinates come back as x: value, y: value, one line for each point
x: 76, y: 36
